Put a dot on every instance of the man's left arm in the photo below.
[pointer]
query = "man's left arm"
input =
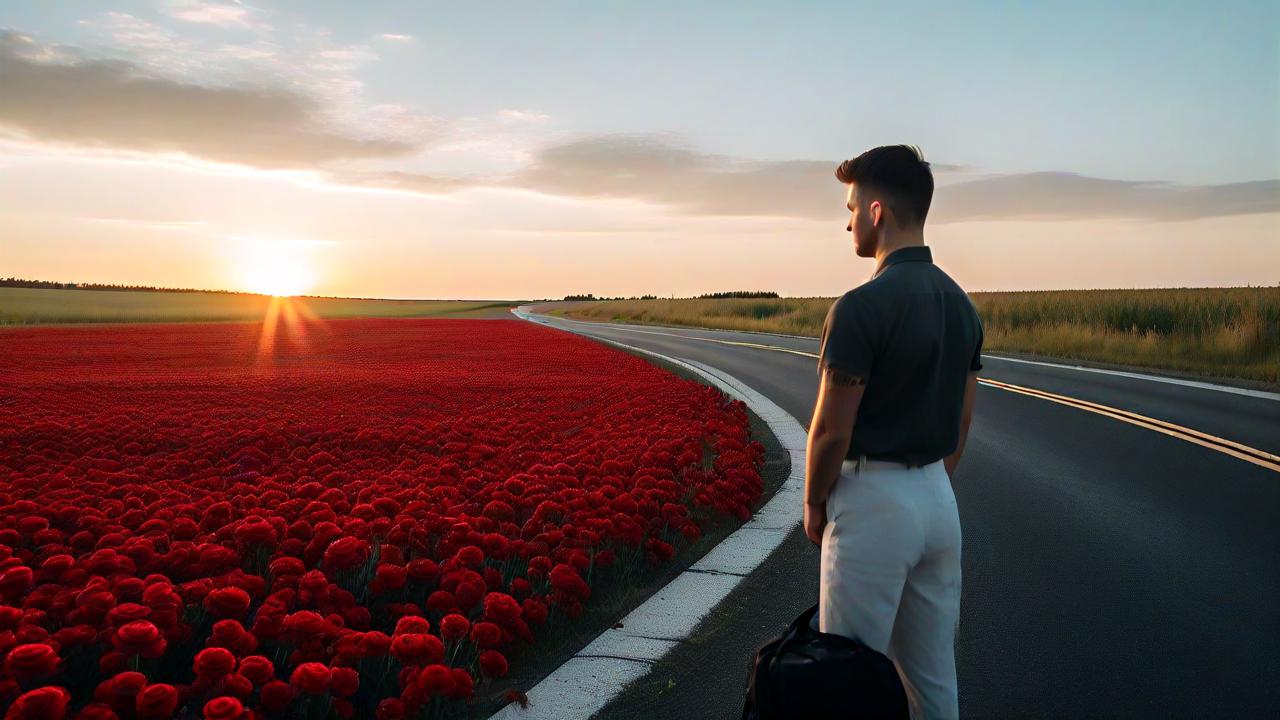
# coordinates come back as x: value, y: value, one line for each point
x: 830, y: 431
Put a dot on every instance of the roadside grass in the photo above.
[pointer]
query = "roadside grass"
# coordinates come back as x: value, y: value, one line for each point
x: 38, y: 306
x: 1214, y: 332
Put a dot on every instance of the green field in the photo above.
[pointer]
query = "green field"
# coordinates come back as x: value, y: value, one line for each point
x: 31, y: 306
x: 1219, y: 332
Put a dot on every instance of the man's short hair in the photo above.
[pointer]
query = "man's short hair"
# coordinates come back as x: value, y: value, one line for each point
x: 898, y: 173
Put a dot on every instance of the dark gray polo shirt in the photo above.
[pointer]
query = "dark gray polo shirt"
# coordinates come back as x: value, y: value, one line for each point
x: 913, y: 335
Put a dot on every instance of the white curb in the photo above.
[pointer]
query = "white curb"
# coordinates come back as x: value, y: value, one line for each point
x: 599, y: 672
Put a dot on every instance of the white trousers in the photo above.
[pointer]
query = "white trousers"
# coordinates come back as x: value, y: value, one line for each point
x: 891, y: 574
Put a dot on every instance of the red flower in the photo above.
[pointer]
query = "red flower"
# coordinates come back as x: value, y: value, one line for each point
x: 286, y: 566
x: 258, y: 669
x: 470, y: 556
x: 470, y: 592
x: 534, y: 611
x: 28, y: 662
x: 567, y: 581
x: 463, y: 684
x: 214, y: 663
x: 423, y: 570
x: 412, y: 624
x: 496, y: 545
x: 139, y: 637
x: 156, y: 702
x: 276, y: 696
x: 436, y: 680
x: 441, y: 601
x: 312, y: 678
x: 501, y: 608
x: 486, y: 635
x: 375, y: 644
x: 520, y: 588
x: 454, y: 627
x: 417, y: 648
x: 231, y: 635
x: 15, y: 581
x: 305, y: 623
x: 223, y: 708
x: 46, y: 703
x: 346, y: 553
x: 346, y: 682
x: 390, y: 577
x: 121, y: 691
x: 238, y: 685
x: 227, y: 602
x: 493, y: 664
x: 390, y: 709
x: 97, y: 711
x: 255, y: 531
x: 660, y: 551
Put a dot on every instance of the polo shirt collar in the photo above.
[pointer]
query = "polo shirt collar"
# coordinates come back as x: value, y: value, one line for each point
x: 912, y: 253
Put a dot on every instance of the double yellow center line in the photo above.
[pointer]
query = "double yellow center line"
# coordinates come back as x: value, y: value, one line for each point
x: 1237, y: 450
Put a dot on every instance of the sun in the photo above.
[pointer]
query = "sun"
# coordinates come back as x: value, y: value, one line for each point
x: 280, y: 269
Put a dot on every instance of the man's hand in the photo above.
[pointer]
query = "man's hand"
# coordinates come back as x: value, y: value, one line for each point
x: 839, y: 395
x: 815, y: 521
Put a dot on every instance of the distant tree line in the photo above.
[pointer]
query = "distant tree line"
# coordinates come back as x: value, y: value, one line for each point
x: 50, y: 285
x: 748, y: 294
x: 589, y: 296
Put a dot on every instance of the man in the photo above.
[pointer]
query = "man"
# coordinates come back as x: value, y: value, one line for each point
x: 898, y: 363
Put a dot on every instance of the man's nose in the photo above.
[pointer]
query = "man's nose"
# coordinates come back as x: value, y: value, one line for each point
x: 849, y: 227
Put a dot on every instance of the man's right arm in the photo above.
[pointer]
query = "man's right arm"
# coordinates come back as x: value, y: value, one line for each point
x: 966, y: 414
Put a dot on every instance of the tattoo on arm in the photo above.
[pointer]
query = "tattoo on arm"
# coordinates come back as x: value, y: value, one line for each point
x: 840, y: 377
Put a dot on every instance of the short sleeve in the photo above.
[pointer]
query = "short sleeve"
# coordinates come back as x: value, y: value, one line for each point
x: 848, y: 337
x: 976, y: 364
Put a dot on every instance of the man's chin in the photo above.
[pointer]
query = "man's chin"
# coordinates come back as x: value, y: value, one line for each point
x: 864, y: 252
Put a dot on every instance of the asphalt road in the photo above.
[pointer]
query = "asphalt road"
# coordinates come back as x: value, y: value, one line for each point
x: 1109, y: 570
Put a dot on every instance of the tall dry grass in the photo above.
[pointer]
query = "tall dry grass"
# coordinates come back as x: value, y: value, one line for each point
x: 1220, y: 332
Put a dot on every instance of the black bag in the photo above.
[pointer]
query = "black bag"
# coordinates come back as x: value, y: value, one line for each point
x: 810, y: 675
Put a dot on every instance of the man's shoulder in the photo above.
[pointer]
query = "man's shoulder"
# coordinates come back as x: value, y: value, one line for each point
x: 860, y: 297
x: 857, y: 307
x: 948, y: 284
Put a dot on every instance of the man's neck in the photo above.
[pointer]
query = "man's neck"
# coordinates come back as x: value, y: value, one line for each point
x: 897, y: 240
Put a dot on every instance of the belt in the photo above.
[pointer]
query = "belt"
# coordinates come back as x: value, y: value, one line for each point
x: 861, y: 461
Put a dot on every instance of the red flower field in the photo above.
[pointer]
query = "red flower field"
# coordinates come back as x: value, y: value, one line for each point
x: 355, y: 518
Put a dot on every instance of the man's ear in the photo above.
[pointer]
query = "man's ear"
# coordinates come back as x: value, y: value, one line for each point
x: 877, y: 212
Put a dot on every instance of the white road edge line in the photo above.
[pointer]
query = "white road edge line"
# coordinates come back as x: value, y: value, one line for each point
x: 1263, y: 394
x: 588, y: 681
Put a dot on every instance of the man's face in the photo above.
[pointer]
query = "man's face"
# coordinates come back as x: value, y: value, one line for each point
x: 863, y: 218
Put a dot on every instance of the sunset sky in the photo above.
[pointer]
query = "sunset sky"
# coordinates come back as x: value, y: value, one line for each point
x: 526, y: 150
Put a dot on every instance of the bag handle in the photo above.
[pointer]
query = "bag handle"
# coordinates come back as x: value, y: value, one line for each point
x: 798, y: 626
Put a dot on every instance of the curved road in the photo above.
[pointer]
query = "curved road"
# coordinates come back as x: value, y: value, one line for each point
x: 1110, y: 570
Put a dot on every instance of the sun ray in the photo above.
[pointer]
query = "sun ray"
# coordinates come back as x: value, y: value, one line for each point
x: 292, y: 322
x: 267, y: 338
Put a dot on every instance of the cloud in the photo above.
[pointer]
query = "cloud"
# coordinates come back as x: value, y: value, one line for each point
x: 1066, y: 196
x: 115, y: 104
x: 522, y: 116
x: 224, y: 15
x: 649, y: 168
x: 409, y: 181
x: 396, y: 37
x: 653, y: 169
